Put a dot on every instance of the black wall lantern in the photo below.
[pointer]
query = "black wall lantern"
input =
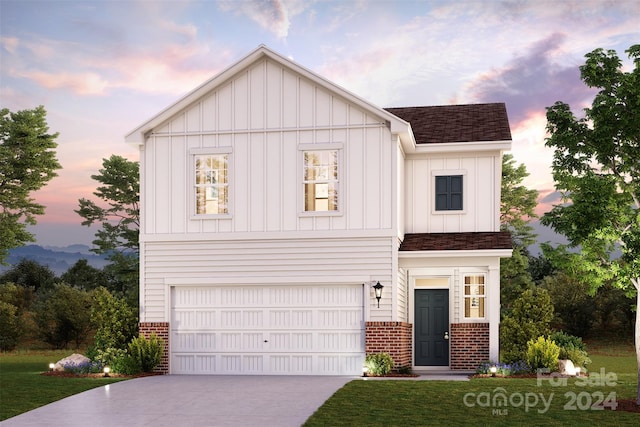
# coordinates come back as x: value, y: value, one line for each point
x: 378, y: 290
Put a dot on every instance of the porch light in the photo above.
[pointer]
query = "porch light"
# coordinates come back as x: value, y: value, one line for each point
x: 106, y: 371
x: 493, y: 370
x: 378, y: 290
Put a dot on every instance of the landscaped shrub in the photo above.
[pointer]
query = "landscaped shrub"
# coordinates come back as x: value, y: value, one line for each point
x: 543, y: 353
x: 106, y: 357
x: 83, y: 368
x: 147, y: 352
x: 115, y: 321
x: 503, y: 369
x: 572, y: 348
x: 126, y: 365
x: 378, y: 363
x: 530, y: 318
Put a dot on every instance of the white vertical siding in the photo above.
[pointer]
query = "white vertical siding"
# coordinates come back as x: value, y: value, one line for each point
x: 481, y: 193
x: 263, y: 114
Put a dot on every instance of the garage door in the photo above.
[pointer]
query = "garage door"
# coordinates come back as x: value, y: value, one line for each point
x: 267, y: 330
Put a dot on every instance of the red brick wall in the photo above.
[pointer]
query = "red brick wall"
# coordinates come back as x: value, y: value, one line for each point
x: 469, y: 345
x: 161, y: 329
x: 390, y: 337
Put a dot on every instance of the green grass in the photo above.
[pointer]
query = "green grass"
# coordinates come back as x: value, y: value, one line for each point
x: 400, y: 403
x: 23, y: 388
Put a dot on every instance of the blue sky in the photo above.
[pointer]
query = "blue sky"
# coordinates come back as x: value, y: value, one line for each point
x: 101, y: 68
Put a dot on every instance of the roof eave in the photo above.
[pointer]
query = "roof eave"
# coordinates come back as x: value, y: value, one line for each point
x: 456, y: 147
x: 501, y: 253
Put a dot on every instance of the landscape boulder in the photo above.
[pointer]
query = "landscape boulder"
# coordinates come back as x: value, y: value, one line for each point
x: 566, y: 367
x: 75, y: 359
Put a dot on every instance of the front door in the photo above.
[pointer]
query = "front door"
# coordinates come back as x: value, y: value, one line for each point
x: 431, y: 339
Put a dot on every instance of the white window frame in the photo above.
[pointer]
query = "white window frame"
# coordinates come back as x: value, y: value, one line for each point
x: 465, y: 199
x: 195, y: 152
x: 476, y: 296
x: 330, y: 146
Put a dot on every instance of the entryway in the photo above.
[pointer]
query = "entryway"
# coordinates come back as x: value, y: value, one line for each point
x: 431, y: 326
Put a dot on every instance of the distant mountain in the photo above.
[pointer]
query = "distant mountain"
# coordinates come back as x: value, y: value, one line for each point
x: 59, y: 260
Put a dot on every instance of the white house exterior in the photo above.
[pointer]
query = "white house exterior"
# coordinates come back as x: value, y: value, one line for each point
x: 273, y: 200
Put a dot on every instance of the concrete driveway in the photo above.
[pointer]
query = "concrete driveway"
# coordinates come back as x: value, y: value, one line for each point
x: 179, y: 400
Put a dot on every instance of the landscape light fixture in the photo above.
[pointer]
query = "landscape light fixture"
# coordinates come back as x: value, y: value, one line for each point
x: 106, y: 371
x: 378, y: 290
x: 578, y: 369
x: 51, y: 366
x: 493, y: 370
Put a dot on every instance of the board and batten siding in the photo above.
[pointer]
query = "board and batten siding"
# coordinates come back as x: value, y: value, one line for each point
x: 481, y: 193
x: 261, y: 117
x: 278, y: 261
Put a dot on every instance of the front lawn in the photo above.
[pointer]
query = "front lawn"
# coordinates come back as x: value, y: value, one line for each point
x: 490, y: 401
x: 23, y: 388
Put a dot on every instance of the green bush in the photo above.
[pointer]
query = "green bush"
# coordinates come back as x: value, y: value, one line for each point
x: 530, y: 318
x: 572, y: 348
x: 11, y: 326
x: 378, y: 363
x: 574, y: 308
x: 116, y: 322
x: 543, y: 353
x: 126, y: 365
x: 147, y: 352
x: 107, y: 356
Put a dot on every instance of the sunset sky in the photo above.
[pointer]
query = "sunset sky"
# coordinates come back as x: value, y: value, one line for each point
x: 101, y: 68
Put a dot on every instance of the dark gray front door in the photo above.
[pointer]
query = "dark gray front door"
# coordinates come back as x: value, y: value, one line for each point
x: 431, y: 339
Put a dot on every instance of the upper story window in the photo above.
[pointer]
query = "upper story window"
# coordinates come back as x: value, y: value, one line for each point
x: 449, y: 193
x: 320, y: 180
x: 474, y: 296
x: 212, y: 184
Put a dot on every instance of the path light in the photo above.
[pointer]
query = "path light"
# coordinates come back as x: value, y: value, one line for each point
x: 493, y: 370
x: 51, y: 366
x: 106, y: 371
x: 378, y: 290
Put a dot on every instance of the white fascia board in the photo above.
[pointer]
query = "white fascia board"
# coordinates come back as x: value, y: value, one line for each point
x: 457, y: 147
x: 501, y: 253
x: 138, y: 135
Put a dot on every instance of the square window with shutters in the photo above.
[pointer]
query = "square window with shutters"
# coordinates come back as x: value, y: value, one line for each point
x: 449, y: 193
x: 320, y: 180
x: 474, y: 296
x: 211, y: 184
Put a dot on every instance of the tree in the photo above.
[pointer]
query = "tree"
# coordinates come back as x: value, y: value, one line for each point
x: 517, y: 206
x: 84, y: 276
x: 30, y: 275
x: 120, y: 221
x: 596, y: 169
x: 63, y: 316
x: 27, y: 162
x: 574, y: 308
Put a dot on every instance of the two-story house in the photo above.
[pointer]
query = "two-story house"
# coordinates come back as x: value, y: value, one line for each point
x: 274, y: 201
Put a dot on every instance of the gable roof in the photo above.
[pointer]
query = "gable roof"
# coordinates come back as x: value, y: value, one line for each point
x: 396, y: 124
x: 456, y: 123
x: 456, y: 241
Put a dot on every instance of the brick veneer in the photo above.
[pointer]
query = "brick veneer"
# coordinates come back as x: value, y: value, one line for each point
x: 469, y: 345
x: 390, y: 337
x: 161, y: 329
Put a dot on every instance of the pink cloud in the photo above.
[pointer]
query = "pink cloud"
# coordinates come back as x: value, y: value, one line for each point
x: 86, y: 83
x: 272, y: 15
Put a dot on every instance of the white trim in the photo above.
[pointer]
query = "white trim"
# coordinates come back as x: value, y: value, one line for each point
x: 321, y: 146
x: 210, y: 150
x: 463, y: 296
x: 267, y: 235
x: 193, y: 215
x: 268, y: 280
x: 501, y: 253
x: 457, y: 147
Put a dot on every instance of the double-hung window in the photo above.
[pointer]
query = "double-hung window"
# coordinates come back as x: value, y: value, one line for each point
x: 320, y: 180
x: 211, y: 184
x: 449, y: 193
x: 474, y: 296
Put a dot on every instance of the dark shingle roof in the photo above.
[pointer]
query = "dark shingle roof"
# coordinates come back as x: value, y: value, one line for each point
x: 456, y: 123
x: 456, y: 241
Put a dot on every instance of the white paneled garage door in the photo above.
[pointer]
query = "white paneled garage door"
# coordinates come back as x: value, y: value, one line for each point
x: 267, y: 330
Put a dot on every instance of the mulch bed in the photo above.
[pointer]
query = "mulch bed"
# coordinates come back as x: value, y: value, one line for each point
x: 627, y: 405
x: 64, y: 374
